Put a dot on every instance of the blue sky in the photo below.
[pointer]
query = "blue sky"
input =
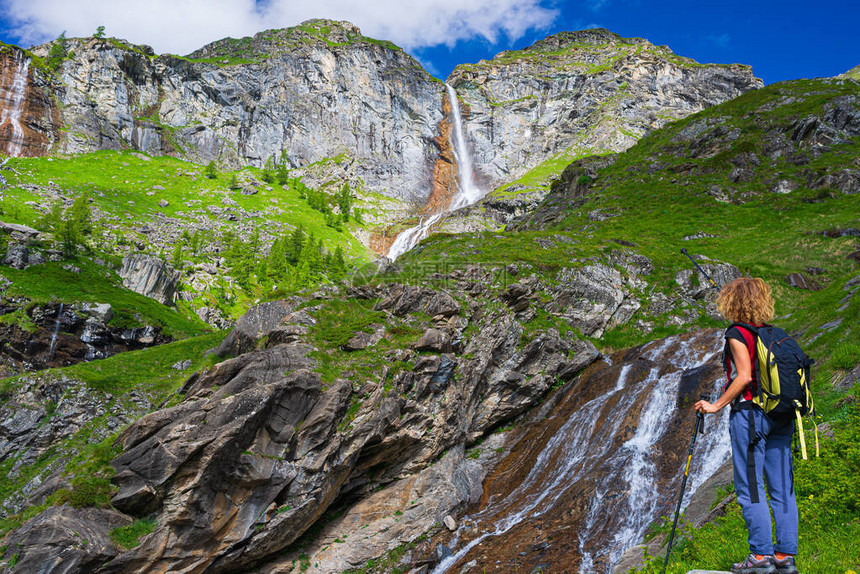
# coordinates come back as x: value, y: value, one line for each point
x: 781, y: 40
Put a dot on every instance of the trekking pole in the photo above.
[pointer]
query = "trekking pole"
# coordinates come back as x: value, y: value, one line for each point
x: 702, y: 271
x: 699, y: 428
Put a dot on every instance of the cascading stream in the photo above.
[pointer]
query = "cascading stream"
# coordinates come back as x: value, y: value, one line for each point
x: 468, y: 191
x: 56, y: 332
x: 606, y: 453
x: 17, y: 90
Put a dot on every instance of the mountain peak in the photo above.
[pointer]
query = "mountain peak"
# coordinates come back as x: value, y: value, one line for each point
x: 331, y: 32
x: 853, y: 73
x: 591, y: 36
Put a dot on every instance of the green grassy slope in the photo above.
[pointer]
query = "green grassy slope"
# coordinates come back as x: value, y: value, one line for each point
x: 52, y: 282
x: 659, y: 197
x: 170, y: 209
x: 124, y: 187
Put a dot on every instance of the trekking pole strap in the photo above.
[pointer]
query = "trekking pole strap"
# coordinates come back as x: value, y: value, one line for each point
x: 802, y: 436
x: 814, y: 424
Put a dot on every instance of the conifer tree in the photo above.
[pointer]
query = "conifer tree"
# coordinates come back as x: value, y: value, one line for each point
x: 337, y: 267
x: 296, y: 245
x: 58, y: 52
x: 344, y: 201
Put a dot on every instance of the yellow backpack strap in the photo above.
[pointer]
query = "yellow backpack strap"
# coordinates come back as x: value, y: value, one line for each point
x: 817, y: 455
x: 802, y: 437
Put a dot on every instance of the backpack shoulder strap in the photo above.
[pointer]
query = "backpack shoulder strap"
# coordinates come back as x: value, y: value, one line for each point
x: 750, y: 335
x: 747, y: 326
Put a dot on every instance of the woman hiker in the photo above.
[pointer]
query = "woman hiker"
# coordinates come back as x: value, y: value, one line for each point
x: 748, y: 300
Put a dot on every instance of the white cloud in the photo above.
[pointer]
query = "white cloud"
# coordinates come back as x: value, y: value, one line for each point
x: 181, y: 26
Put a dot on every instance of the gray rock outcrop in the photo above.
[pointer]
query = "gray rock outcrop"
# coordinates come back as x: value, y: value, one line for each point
x: 581, y: 93
x: 17, y: 256
x: 66, y: 539
x: 150, y: 277
x: 300, y: 95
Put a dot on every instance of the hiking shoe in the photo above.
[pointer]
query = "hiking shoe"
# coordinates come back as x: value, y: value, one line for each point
x: 754, y: 566
x: 786, y: 565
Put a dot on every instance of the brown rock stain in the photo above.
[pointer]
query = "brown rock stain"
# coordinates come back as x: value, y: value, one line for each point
x: 39, y: 116
x: 445, y: 184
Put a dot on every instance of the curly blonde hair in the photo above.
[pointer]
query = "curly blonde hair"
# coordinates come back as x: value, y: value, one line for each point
x: 746, y: 300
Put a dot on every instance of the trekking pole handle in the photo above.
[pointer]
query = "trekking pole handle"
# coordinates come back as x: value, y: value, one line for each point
x: 702, y: 271
x: 701, y: 416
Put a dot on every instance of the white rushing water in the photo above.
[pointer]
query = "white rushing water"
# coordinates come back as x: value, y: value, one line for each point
x: 17, y: 90
x: 627, y: 492
x: 468, y: 191
x: 56, y: 332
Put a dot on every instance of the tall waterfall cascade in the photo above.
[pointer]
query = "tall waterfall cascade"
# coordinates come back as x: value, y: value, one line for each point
x: 605, y: 462
x: 15, y: 93
x: 468, y: 192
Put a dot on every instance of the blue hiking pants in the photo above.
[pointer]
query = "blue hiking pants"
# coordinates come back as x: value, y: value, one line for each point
x: 772, y: 453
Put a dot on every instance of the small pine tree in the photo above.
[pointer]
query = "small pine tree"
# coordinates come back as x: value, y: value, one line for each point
x: 81, y: 215
x: 176, y: 259
x: 337, y: 267
x: 282, y: 174
x: 234, y: 182
x: 69, y: 238
x: 344, y: 201
x: 52, y: 219
x: 99, y: 33
x: 58, y: 52
x: 295, y: 245
x: 210, y: 170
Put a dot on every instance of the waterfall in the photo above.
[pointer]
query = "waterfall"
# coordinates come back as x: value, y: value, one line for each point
x: 607, y: 454
x: 56, y: 332
x: 17, y: 90
x: 468, y: 191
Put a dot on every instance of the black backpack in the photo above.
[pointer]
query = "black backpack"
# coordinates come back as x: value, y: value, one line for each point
x: 782, y: 375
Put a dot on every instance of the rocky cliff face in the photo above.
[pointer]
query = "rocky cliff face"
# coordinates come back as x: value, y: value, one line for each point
x: 322, y: 90
x: 581, y: 93
x: 29, y: 117
x: 301, y: 95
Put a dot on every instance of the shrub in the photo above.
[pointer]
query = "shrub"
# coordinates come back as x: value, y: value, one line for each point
x: 128, y: 537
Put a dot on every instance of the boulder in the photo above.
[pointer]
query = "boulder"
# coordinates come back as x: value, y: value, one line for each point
x: 592, y: 298
x: 434, y: 340
x: 65, y: 539
x: 363, y: 340
x: 801, y: 281
x: 694, y: 286
x: 150, y: 277
x: 102, y: 312
x: 403, y: 299
x: 17, y: 256
x: 257, y: 323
